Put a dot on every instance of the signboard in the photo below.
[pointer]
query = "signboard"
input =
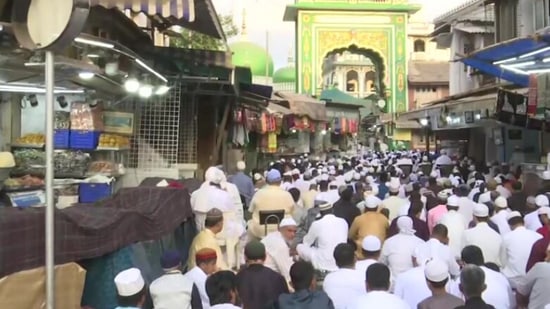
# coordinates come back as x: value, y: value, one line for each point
x: 532, y: 96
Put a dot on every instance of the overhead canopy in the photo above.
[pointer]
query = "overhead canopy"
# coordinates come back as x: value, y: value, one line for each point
x: 337, y: 96
x: 513, y: 60
x: 179, y: 9
x: 273, y: 108
x: 302, y: 105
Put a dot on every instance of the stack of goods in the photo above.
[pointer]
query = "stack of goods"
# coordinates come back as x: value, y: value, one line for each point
x: 71, y: 164
x: 62, y: 124
x: 29, y: 161
x: 22, y: 183
x: 103, y: 168
x: 86, y: 125
x: 31, y: 140
x: 112, y: 141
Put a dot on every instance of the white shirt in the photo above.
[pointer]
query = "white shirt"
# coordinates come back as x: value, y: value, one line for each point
x: 344, y: 286
x: 301, y: 185
x: 287, y: 186
x: 503, y: 191
x: 500, y: 219
x: 397, y: 252
x: 456, y: 225
x: 433, y: 248
x: 466, y: 208
x: 323, y: 255
x: 225, y: 306
x: 206, y: 198
x: 379, y: 299
x: 487, y: 239
x: 411, y: 287
x: 327, y: 196
x: 361, y: 266
x: 172, y: 291
x: 277, y: 254
x: 532, y: 221
x: 199, y: 279
x: 516, y: 247
x: 498, y: 293
x: 394, y: 204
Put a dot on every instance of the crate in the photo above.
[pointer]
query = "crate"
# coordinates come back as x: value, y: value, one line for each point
x: 84, y: 140
x: 93, y: 192
x: 61, y: 138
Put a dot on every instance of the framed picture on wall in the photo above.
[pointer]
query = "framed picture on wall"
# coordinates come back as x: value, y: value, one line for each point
x: 118, y: 122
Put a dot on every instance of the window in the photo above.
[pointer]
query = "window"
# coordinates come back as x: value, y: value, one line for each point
x: 419, y: 45
x: 540, y: 14
x: 352, y: 81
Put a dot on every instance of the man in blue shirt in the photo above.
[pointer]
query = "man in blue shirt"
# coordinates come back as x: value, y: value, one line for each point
x: 244, y: 183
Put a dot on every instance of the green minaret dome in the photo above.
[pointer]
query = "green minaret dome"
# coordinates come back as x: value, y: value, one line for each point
x: 255, y: 57
x: 285, y: 75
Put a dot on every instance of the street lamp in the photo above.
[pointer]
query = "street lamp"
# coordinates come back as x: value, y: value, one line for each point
x: 425, y: 123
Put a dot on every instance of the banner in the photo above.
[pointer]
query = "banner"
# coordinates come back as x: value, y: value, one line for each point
x: 532, y: 95
x: 511, y: 108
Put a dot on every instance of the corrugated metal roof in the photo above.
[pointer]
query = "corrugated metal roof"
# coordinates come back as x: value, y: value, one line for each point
x: 475, y: 28
x: 428, y: 72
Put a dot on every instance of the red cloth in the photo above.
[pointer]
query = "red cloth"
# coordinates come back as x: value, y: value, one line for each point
x: 538, y: 252
x: 544, y: 231
x: 175, y: 184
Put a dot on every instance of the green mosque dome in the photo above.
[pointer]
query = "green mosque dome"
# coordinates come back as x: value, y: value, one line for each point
x: 255, y: 57
x: 285, y: 75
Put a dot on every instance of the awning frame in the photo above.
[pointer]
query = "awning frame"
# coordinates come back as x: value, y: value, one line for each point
x: 514, y: 60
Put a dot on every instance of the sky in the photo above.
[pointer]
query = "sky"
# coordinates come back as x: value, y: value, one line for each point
x: 266, y: 16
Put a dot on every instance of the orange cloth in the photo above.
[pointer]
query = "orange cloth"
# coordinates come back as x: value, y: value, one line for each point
x: 272, y: 142
x: 369, y: 223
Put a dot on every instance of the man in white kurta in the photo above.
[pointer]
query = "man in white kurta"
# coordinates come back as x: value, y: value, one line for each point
x: 455, y: 223
x: 210, y: 195
x: 173, y: 290
x: 516, y: 247
x: 206, y: 264
x: 483, y: 236
x: 398, y: 250
x: 346, y: 284
x: 500, y: 218
x: 323, y: 236
x: 278, y: 256
x: 436, y: 248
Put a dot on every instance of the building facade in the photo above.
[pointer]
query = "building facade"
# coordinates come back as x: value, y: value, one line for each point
x: 378, y: 33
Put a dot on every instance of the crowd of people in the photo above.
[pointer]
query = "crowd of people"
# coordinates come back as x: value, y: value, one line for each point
x: 377, y: 230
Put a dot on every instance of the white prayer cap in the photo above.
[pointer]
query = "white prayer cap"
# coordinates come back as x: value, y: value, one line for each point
x: 324, y: 177
x: 214, y: 175
x: 258, y: 176
x: 481, y: 210
x: 129, y: 282
x: 513, y: 214
x: 241, y: 166
x: 395, y: 184
x: 324, y: 170
x: 340, y: 167
x: 288, y: 222
x: 544, y: 211
x: 541, y: 200
x: 436, y: 270
x: 472, y: 168
x: 348, y: 177
x: 370, y: 179
x: 546, y: 175
x: 332, y: 172
x: 356, y: 176
x: 293, y: 160
x: 434, y: 174
x: 425, y: 158
x: 371, y: 243
x: 372, y: 202
x: 405, y: 225
x: 370, y: 170
x: 295, y: 171
x: 287, y: 174
x: 282, y: 160
x: 325, y: 206
x: 501, y: 202
x: 452, y: 200
x: 498, y: 180
x: 444, y: 194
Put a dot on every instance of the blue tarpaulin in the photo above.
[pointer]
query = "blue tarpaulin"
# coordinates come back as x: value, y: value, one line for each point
x: 484, y: 59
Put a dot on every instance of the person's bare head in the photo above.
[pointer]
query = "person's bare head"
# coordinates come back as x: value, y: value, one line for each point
x: 472, y: 281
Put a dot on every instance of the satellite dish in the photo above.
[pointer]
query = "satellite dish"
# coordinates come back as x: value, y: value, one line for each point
x: 48, y: 24
x: 381, y: 103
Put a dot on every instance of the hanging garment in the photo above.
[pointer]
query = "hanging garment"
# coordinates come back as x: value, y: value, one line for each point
x: 263, y: 123
x: 336, y: 126
x: 272, y: 142
x: 344, y: 125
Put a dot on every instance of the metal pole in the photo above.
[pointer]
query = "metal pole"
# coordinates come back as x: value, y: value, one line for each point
x: 50, y: 207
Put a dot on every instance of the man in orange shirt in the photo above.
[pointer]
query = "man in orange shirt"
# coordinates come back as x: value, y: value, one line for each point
x: 372, y: 222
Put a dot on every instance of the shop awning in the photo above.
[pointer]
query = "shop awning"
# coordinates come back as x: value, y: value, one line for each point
x: 302, y: 105
x: 179, y: 9
x: 273, y: 108
x: 513, y: 60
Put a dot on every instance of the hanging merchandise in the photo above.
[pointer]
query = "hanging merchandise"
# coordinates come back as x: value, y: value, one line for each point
x: 271, y: 142
x: 336, y: 126
x: 344, y: 125
x: 263, y: 123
